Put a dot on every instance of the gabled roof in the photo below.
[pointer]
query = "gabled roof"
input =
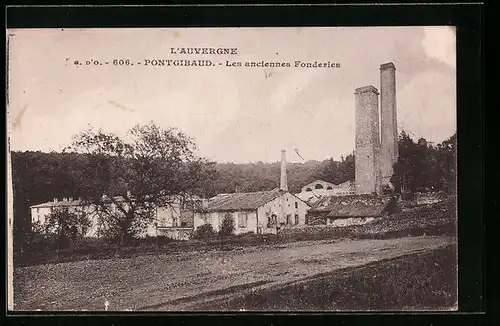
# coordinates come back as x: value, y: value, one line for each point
x: 352, y: 206
x: 242, y: 201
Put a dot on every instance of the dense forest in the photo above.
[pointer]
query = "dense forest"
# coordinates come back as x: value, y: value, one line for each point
x: 39, y: 177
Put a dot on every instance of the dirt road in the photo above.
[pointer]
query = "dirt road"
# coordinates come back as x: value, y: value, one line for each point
x: 183, y: 281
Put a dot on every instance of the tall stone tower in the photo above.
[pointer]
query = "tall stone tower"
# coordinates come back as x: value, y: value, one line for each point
x: 389, y: 130
x: 367, y: 167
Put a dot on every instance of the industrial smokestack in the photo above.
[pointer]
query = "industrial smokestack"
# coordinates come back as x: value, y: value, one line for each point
x: 367, y: 169
x: 283, y: 180
x: 389, y: 129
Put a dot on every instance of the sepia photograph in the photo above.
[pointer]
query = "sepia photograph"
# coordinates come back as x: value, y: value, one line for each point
x: 285, y: 169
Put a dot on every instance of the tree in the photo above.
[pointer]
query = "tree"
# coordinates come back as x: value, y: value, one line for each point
x: 129, y: 178
x: 422, y: 166
x: 447, y: 163
x: 336, y: 172
x: 68, y: 225
x: 328, y: 171
x: 403, y: 177
x: 38, y: 177
x: 227, y: 226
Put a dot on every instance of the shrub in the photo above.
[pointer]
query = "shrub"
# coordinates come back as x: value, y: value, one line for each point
x: 69, y: 226
x: 205, y: 231
x: 387, y: 190
x: 227, y: 226
x: 38, y: 240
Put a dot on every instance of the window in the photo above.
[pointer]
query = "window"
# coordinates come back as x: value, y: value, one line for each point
x: 296, y: 205
x: 329, y: 188
x: 242, y: 220
x: 296, y: 219
x: 187, y: 205
x: 308, y: 189
x: 288, y: 219
x: 174, y: 221
x: 318, y: 186
x: 272, y: 221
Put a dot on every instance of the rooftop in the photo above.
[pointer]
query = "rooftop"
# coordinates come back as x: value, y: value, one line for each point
x: 59, y: 203
x: 354, y: 205
x: 242, y: 201
x: 365, y: 89
x: 388, y: 65
x: 79, y: 202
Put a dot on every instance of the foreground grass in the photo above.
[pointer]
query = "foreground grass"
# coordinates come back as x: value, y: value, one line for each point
x: 435, y: 219
x: 413, y: 282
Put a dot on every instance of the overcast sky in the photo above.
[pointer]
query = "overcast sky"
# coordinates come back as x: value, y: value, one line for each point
x: 234, y: 114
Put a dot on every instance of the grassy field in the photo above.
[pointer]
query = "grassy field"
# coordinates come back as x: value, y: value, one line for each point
x: 187, y: 280
x: 424, y: 281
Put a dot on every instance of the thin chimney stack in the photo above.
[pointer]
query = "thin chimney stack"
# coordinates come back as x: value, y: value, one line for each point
x: 283, y: 179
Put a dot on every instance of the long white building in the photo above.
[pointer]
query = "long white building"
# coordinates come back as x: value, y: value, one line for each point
x: 174, y: 220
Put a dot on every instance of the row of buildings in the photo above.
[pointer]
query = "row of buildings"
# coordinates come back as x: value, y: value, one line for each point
x: 262, y: 212
x: 320, y: 202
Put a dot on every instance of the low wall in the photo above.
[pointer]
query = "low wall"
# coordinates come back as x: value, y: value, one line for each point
x: 343, y: 222
x: 175, y: 233
x: 421, y: 199
x: 315, y: 219
x: 315, y: 232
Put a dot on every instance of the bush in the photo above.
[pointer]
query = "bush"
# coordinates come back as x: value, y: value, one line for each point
x: 38, y: 240
x: 68, y: 226
x: 227, y: 227
x: 205, y: 231
x: 387, y: 190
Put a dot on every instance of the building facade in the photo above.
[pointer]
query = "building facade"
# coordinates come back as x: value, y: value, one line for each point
x: 174, y: 220
x: 261, y: 212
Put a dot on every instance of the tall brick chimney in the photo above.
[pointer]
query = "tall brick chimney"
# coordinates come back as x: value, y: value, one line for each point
x: 367, y: 169
x: 389, y: 120
x: 283, y: 179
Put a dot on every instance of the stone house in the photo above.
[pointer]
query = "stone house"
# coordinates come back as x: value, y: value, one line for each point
x: 351, y: 210
x: 258, y: 212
